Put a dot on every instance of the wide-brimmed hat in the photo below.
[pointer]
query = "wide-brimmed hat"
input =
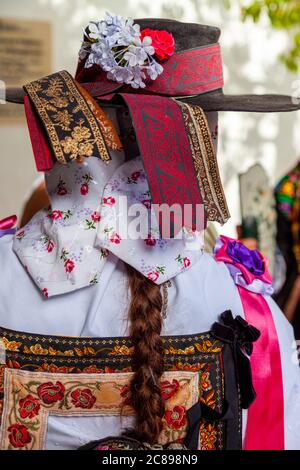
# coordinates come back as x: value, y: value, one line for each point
x: 193, y: 74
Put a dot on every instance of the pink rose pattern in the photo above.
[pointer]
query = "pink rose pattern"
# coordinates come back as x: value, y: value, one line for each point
x: 69, y: 265
x: 83, y: 185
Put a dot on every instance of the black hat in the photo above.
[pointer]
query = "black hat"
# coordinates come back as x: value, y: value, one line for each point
x: 189, y: 36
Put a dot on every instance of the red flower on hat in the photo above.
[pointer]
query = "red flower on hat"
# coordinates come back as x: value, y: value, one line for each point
x: 50, y: 392
x: 69, y: 265
x: 28, y: 407
x: 162, y: 41
x: 186, y: 262
x: 83, y: 398
x: 19, y: 435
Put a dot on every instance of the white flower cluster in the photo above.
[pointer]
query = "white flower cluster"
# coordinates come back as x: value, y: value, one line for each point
x: 115, y: 45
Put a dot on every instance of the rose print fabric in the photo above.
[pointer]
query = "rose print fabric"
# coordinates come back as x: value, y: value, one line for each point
x: 65, y: 247
x: 156, y: 258
x: 57, y: 247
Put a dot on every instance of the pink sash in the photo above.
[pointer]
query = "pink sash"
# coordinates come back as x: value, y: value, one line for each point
x: 265, y: 424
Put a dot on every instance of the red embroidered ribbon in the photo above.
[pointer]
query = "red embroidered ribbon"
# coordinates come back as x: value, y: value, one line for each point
x: 41, y: 149
x: 166, y: 154
x: 190, y: 72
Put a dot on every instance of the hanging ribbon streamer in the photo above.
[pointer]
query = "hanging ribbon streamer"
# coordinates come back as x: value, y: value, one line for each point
x: 265, y: 424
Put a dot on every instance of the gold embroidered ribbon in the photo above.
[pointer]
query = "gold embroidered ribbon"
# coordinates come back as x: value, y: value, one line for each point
x: 75, y: 125
x: 205, y: 163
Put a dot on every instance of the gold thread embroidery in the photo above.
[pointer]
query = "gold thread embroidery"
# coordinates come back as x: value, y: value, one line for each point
x: 79, y: 129
x: 205, y: 162
x: 109, y: 132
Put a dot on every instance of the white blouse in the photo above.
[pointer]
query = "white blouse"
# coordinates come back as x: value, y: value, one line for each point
x: 196, y: 298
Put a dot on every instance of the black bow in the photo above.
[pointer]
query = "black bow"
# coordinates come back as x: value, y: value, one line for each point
x: 195, y: 415
x: 240, y: 335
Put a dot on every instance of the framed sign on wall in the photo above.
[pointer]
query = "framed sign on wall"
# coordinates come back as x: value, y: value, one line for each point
x: 25, y: 55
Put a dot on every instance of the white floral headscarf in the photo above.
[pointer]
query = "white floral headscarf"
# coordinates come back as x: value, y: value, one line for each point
x: 65, y: 247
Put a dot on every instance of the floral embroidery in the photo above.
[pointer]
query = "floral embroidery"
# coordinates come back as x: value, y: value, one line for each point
x: 205, y: 382
x: 61, y: 188
x: 28, y: 407
x: 103, y: 253
x: 200, y: 355
x: 154, y: 275
x: 63, y: 119
x: 57, y: 214
x: 125, y: 394
x: 19, y: 435
x: 48, y: 243
x: 20, y: 235
x: 10, y: 345
x: 168, y: 389
x: 95, y: 216
x: 45, y: 292
x: 150, y: 241
x: 94, y: 280
x: 72, y: 126
x: 115, y: 238
x: 121, y: 350
x: 83, y: 398
x: 69, y: 265
x: 93, y: 394
x: 86, y: 180
x: 133, y: 178
x: 185, y: 262
x: 90, y: 224
x: 109, y: 201
x: 176, y: 418
x: 50, y: 393
x: 208, y: 436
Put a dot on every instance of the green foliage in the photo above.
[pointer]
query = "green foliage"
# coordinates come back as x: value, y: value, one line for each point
x: 283, y: 15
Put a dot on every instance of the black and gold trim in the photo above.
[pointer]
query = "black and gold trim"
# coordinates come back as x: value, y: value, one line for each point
x: 72, y: 128
x: 205, y: 162
x: 217, y: 357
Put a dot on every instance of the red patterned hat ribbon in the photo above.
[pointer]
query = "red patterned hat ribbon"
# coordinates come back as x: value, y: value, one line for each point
x: 191, y: 72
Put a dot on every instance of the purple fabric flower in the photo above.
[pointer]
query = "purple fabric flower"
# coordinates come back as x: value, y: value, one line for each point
x: 248, y: 258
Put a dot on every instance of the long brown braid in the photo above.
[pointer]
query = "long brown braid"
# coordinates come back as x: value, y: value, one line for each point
x: 146, y: 324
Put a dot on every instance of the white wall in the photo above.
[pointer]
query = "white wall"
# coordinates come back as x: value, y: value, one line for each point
x: 250, y: 55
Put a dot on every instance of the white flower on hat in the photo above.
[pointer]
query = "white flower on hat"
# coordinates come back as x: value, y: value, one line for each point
x: 116, y: 46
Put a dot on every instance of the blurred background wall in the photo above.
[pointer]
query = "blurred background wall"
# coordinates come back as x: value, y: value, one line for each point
x: 251, y: 65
